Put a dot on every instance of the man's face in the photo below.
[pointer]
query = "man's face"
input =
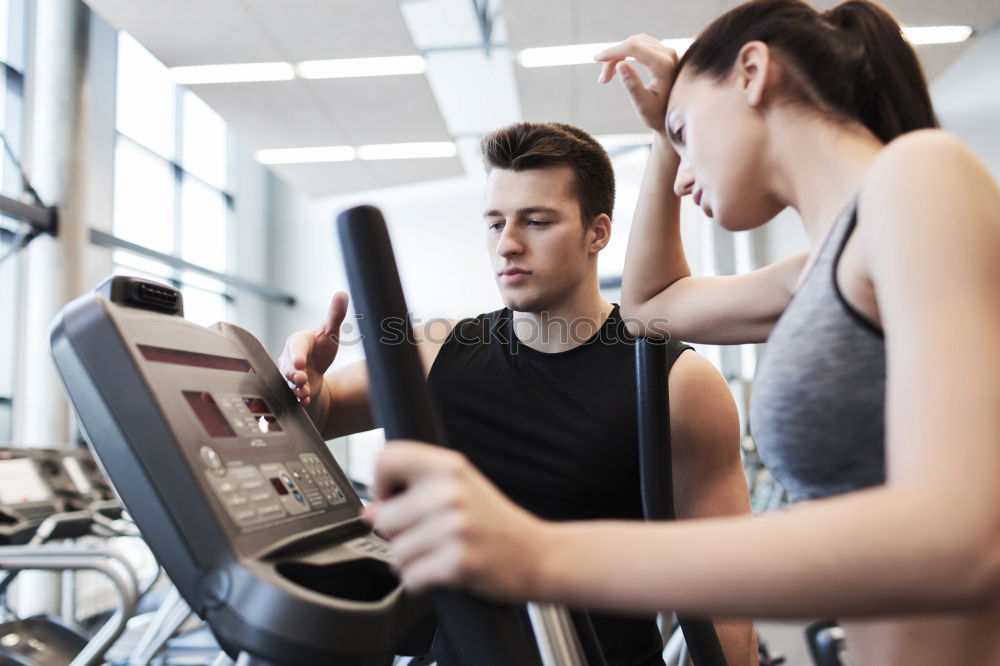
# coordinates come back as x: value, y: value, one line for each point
x: 538, y: 247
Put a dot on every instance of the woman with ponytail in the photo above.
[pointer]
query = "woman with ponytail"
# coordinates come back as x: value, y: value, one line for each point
x: 877, y: 402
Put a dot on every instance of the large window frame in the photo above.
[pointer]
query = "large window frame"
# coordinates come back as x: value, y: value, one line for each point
x: 207, y: 298
x: 13, y: 30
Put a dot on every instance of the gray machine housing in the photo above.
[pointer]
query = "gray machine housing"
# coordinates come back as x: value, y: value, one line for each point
x: 300, y: 581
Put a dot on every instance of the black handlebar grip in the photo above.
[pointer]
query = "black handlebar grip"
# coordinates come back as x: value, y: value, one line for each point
x: 478, y: 631
x: 656, y: 476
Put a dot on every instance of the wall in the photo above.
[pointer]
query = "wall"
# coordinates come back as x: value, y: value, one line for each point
x: 967, y: 98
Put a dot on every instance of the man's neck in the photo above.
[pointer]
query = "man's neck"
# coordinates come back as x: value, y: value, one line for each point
x: 564, y: 327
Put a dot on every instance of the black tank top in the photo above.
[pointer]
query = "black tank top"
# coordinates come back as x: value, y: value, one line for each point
x: 555, y: 432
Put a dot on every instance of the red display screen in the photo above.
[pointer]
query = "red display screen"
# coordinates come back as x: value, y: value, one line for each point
x: 194, y: 359
x: 257, y: 406
x: 209, y: 414
x: 268, y: 423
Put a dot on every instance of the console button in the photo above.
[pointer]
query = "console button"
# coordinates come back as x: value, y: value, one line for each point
x: 210, y: 457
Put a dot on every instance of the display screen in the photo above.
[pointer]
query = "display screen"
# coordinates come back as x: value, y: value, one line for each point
x: 268, y: 423
x: 194, y: 359
x: 20, y: 482
x: 209, y: 414
x: 257, y: 406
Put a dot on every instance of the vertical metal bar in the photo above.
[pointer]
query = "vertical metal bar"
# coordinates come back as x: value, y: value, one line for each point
x: 556, y: 636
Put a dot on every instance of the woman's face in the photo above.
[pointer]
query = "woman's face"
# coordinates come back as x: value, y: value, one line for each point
x: 721, y: 138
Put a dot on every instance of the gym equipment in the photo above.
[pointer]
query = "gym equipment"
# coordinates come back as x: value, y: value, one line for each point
x: 826, y: 642
x: 43, y: 642
x: 479, y: 632
x: 47, y: 498
x: 33, y: 487
x: 231, y: 485
x: 655, y: 465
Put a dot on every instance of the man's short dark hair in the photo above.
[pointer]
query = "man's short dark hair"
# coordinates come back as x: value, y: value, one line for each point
x: 523, y: 146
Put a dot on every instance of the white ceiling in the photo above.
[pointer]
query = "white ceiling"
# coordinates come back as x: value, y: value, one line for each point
x: 462, y: 94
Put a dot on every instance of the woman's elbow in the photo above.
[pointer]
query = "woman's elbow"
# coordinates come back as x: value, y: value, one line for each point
x: 631, y: 312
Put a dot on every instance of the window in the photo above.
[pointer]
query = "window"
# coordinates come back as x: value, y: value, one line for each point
x: 8, y: 331
x: 12, y: 28
x: 171, y: 163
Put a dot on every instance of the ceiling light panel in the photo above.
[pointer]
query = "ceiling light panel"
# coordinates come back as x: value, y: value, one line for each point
x: 380, y: 151
x: 580, y: 54
x: 937, y: 34
x: 253, y: 72
x: 407, y: 151
x: 346, y: 68
x: 624, y: 140
x: 306, y: 155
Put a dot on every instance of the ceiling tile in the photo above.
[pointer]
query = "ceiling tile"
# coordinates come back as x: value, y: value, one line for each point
x: 936, y: 58
x: 555, y: 22
x: 191, y: 32
x: 400, y: 172
x: 385, y: 109
x: 319, y: 180
x: 573, y: 95
x: 278, y: 114
x: 321, y: 29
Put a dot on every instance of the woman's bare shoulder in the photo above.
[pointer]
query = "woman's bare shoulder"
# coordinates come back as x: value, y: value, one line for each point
x: 922, y: 175
x: 918, y: 156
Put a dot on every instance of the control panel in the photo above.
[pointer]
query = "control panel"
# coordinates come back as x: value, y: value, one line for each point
x: 259, y: 495
x: 240, y: 432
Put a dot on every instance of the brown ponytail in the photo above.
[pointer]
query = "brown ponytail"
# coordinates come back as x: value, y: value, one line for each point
x: 851, y: 62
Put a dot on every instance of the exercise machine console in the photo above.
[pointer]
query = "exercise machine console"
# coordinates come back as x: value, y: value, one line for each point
x: 229, y: 482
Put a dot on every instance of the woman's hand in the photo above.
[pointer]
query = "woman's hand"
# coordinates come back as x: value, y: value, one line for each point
x: 450, y: 526
x: 650, y: 99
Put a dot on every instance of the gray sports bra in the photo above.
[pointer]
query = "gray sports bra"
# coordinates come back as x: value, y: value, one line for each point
x: 818, y: 401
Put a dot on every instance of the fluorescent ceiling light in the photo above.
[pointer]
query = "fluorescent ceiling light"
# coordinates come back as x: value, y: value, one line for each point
x: 382, y: 151
x: 580, y: 54
x: 305, y: 155
x: 611, y: 141
x: 937, y: 34
x: 356, y: 67
x: 583, y: 54
x: 236, y: 73
x: 407, y: 151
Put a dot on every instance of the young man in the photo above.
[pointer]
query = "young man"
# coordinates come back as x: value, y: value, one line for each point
x: 541, y: 394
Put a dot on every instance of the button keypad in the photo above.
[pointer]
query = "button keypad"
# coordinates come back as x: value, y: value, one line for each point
x: 242, y: 491
x: 321, y: 477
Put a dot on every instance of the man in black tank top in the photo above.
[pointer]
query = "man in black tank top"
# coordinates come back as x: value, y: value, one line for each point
x: 540, y: 395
